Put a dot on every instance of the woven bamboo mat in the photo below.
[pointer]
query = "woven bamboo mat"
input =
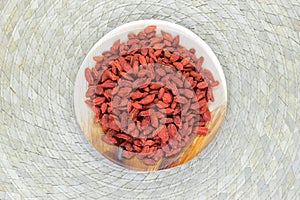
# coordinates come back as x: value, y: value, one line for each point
x: 256, y: 153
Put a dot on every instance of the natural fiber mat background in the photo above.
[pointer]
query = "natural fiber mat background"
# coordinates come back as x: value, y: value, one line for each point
x: 256, y: 153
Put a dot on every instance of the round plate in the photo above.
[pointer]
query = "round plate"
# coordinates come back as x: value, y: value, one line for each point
x: 93, y: 131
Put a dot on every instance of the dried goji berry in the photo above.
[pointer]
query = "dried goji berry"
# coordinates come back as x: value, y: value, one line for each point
x: 129, y: 79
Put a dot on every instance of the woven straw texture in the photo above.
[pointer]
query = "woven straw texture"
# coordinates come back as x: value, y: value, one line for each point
x: 256, y: 153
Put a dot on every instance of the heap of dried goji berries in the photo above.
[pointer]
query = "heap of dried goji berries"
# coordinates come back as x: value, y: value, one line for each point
x: 150, y: 95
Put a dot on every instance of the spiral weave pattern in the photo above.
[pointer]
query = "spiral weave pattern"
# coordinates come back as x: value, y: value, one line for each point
x: 256, y: 153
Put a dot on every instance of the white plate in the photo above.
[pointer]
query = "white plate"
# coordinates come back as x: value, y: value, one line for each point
x: 188, y: 39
